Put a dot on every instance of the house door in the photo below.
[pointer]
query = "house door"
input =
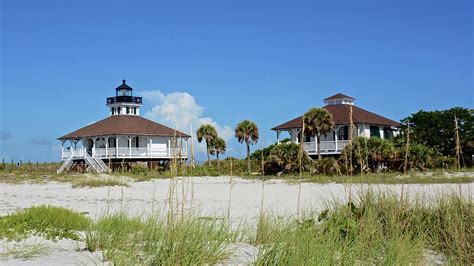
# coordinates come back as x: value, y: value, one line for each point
x: 89, y: 146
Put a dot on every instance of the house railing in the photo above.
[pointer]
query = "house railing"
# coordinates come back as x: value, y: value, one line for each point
x: 125, y: 152
x: 325, y: 146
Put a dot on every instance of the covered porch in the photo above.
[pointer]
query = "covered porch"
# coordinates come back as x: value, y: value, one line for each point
x: 332, y: 143
x: 125, y: 147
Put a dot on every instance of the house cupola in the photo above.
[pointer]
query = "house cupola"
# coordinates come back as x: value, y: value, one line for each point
x: 124, y: 103
x: 339, y: 99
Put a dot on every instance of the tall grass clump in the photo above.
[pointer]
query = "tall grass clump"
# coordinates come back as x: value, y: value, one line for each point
x: 155, y: 240
x: 49, y: 222
x: 100, y: 181
x: 374, y: 228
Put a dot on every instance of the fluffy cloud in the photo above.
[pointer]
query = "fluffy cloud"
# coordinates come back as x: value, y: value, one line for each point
x: 180, y: 110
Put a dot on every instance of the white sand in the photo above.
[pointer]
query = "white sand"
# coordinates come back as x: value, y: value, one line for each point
x: 211, y: 197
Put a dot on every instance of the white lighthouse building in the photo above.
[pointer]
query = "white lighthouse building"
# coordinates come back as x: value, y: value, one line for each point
x: 124, y: 136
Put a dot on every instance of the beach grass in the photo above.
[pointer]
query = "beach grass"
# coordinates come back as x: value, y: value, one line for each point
x: 376, y: 228
x: 157, y: 240
x: 372, y: 228
x: 49, y: 222
x: 99, y: 181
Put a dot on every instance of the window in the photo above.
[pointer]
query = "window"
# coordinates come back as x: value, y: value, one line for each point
x: 112, y: 110
x: 387, y: 133
x: 128, y: 110
x: 119, y: 110
x: 343, y: 133
x: 374, y: 132
x: 134, y: 110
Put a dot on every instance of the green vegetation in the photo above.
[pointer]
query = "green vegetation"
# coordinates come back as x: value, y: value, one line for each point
x: 158, y: 240
x: 247, y: 131
x: 218, y: 146
x: 46, y: 221
x: 435, y: 129
x: 317, y: 122
x: 373, y: 229
x: 208, y: 133
x: 99, y: 181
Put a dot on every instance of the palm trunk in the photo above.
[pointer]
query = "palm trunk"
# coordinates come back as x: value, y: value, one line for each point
x: 319, y: 147
x: 248, y: 156
x: 208, y: 156
x: 218, y: 161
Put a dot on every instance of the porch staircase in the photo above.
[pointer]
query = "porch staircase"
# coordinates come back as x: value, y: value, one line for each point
x: 96, y: 164
x: 66, y: 165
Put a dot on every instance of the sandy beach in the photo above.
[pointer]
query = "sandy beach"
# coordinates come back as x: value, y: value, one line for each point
x: 210, y: 198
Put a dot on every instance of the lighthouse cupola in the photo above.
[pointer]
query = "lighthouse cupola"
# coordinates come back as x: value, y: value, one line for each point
x: 124, y: 103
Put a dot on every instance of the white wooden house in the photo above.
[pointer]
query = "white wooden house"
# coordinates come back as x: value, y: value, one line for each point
x: 123, y: 136
x: 365, y: 123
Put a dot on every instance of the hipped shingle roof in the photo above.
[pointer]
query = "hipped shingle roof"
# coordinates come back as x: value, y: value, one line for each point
x: 124, y: 125
x: 340, y: 115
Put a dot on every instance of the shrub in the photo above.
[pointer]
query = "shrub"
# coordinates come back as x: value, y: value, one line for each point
x: 285, y: 158
x: 46, y: 221
x: 327, y: 166
x: 139, y: 169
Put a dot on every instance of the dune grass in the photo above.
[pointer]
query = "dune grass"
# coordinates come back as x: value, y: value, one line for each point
x: 48, y: 222
x: 373, y: 228
x: 99, y: 181
x: 376, y: 228
x: 157, y: 240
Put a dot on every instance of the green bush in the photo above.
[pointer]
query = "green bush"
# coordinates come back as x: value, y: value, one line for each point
x: 138, y: 169
x: 47, y: 221
x: 285, y: 158
x: 327, y: 166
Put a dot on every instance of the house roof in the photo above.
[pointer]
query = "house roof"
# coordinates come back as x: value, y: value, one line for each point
x: 124, y: 86
x: 124, y: 125
x: 339, y: 96
x: 340, y: 116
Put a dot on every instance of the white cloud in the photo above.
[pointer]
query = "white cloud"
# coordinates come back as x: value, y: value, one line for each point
x: 180, y: 110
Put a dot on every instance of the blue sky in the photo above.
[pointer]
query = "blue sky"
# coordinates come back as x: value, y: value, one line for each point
x: 265, y: 61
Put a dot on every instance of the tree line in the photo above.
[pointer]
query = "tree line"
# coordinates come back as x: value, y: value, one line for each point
x: 433, y: 144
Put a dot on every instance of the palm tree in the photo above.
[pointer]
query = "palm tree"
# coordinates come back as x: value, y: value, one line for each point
x: 218, y: 146
x: 318, y: 122
x: 247, y: 131
x: 208, y: 133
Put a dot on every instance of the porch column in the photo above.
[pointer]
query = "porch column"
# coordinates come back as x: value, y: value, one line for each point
x: 130, y: 146
x: 149, y: 146
x: 187, y: 140
x: 116, y: 145
x: 107, y: 146
x: 93, y: 146
x: 336, y: 136
x: 62, y: 148
x: 315, y: 144
x: 278, y: 136
x: 169, y: 147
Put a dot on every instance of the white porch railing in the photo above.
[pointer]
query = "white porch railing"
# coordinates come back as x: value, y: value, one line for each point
x: 327, y: 147
x: 125, y: 152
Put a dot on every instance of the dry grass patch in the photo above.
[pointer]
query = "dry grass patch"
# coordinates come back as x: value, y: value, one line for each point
x: 99, y: 181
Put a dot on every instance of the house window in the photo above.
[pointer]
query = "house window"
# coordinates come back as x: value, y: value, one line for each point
x: 387, y: 133
x: 112, y: 110
x: 119, y: 110
x: 128, y: 110
x: 343, y: 133
x: 374, y: 132
x: 134, y: 110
